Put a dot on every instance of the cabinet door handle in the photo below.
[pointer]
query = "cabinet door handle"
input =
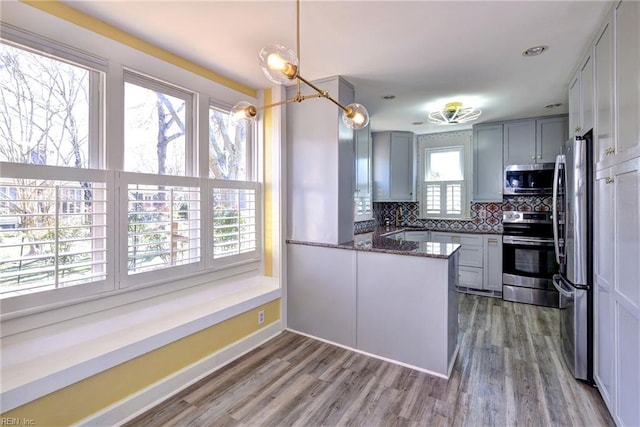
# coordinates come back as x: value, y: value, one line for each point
x: 577, y: 128
x: 539, y: 157
x: 608, y: 180
x: 533, y: 157
x: 609, y: 150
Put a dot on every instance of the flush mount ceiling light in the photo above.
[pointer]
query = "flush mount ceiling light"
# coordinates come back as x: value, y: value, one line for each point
x: 454, y: 113
x: 281, y: 65
x: 535, y: 51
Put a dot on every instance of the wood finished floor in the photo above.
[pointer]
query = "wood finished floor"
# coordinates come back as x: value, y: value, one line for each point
x: 508, y: 372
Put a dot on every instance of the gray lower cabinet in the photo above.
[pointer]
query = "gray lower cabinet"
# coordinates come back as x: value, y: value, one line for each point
x: 480, y: 259
x: 471, y: 256
x: 492, y: 271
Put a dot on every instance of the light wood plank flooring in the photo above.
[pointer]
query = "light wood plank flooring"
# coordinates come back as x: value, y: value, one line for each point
x: 509, y: 372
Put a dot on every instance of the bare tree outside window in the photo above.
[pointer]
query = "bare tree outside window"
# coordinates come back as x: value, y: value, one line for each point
x: 154, y: 131
x: 227, y: 147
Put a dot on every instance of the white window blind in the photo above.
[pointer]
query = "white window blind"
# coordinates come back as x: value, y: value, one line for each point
x: 443, y: 187
x: 163, y: 226
x: 236, y: 214
x: 53, y: 233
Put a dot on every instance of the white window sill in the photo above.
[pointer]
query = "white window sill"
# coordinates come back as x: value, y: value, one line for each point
x: 46, y: 359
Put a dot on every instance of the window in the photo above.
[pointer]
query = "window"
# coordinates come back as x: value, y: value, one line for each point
x: 157, y: 128
x: 71, y: 225
x: 46, y: 109
x: 228, y: 147
x: 53, y: 233
x: 235, y: 220
x: 444, y: 175
x: 163, y: 226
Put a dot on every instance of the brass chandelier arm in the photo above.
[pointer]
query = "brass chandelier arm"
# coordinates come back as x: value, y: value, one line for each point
x: 323, y: 93
x: 297, y: 98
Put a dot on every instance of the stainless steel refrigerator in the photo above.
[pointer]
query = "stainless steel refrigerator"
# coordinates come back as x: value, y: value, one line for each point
x: 573, y: 240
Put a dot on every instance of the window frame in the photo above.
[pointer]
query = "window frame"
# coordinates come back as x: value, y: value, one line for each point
x: 191, y: 101
x: 108, y: 164
x: 445, y: 141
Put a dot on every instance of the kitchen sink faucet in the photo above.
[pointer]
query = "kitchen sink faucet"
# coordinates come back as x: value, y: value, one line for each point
x: 398, y: 216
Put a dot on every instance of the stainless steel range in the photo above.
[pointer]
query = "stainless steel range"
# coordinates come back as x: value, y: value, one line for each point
x: 528, y: 258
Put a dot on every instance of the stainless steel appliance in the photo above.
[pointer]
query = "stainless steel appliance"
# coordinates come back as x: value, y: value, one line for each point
x: 573, y: 231
x: 528, y: 258
x: 531, y: 179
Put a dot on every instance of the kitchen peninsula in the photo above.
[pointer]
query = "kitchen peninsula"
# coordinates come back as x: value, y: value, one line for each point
x: 389, y: 298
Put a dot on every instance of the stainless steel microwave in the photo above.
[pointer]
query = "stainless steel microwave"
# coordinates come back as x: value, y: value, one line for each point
x: 530, y: 179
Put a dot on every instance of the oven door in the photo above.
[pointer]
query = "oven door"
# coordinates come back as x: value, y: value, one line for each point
x: 528, y: 262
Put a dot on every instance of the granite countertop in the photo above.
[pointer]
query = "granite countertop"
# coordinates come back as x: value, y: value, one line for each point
x: 375, y: 242
x: 385, y: 230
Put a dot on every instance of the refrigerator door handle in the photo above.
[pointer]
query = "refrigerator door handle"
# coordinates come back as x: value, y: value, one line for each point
x: 557, y: 283
x: 554, y: 207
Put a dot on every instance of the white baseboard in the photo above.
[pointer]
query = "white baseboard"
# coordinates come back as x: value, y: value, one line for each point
x: 375, y: 356
x: 138, y: 403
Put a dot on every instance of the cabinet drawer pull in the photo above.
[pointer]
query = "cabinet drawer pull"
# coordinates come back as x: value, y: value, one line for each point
x: 455, y: 239
x: 492, y: 240
x: 608, y: 180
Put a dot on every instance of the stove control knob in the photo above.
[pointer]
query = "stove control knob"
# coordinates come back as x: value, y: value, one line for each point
x: 509, y: 215
x: 517, y: 216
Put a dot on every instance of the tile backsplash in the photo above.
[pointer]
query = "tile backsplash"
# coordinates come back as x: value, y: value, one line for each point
x: 485, y: 217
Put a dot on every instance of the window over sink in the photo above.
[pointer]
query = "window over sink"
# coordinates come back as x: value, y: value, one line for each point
x: 444, y: 175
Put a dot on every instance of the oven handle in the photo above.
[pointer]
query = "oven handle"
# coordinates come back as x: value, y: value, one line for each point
x: 554, y: 207
x: 557, y: 283
x: 525, y: 241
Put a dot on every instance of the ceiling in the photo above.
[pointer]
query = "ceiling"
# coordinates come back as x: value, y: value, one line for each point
x: 426, y: 53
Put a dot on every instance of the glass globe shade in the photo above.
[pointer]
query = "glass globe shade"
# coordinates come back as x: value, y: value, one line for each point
x: 279, y: 63
x: 357, y: 117
x: 242, y: 114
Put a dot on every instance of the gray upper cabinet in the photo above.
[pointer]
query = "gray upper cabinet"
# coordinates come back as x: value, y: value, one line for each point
x: 487, y: 163
x: 551, y: 133
x: 604, y: 137
x: 520, y: 142
x: 534, y: 140
x: 362, y: 196
x: 393, y: 167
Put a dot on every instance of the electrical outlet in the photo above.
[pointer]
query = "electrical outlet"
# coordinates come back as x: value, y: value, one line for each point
x: 260, y: 317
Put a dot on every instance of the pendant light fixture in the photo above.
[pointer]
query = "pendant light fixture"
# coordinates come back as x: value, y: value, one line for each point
x: 454, y: 113
x: 281, y: 65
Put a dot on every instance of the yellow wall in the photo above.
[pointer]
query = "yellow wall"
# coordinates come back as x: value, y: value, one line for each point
x: 86, y: 397
x: 268, y: 186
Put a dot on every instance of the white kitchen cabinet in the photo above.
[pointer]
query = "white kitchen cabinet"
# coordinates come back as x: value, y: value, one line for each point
x: 617, y: 289
x: 393, y: 167
x: 628, y: 78
x: 581, y: 99
x: 604, y: 137
x: 487, y: 163
x: 534, y: 140
x: 362, y: 197
x: 492, y: 265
